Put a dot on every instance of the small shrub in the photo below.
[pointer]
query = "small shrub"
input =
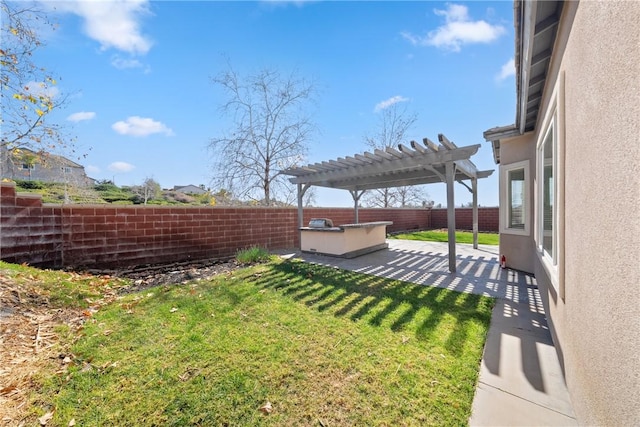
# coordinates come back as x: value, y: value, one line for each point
x: 184, y: 198
x: 29, y: 185
x: 252, y: 255
x: 177, y: 197
x: 106, y: 186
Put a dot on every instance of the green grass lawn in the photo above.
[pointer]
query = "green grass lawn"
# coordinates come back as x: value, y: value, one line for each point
x: 443, y: 236
x: 325, y: 347
x: 58, y: 289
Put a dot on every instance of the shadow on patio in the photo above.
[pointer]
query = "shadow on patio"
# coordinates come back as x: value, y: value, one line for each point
x: 426, y: 263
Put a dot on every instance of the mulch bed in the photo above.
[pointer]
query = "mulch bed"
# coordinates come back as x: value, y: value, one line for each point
x: 148, y: 276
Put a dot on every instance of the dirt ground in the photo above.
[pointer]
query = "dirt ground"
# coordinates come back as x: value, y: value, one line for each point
x: 29, y: 341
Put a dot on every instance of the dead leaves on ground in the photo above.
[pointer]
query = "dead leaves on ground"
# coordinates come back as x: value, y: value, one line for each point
x: 28, y: 337
x: 28, y: 343
x: 266, y: 409
x: 43, y: 420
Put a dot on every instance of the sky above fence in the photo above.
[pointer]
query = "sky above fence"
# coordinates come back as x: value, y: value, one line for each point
x: 142, y: 103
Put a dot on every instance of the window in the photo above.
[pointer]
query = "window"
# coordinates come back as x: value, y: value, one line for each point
x: 547, y: 193
x: 28, y: 166
x: 516, y: 206
x: 515, y: 198
x: 66, y: 169
x: 549, y: 190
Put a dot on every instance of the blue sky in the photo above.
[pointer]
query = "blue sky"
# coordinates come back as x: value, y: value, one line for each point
x: 142, y: 103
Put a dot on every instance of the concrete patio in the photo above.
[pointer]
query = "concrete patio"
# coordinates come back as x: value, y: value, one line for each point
x: 521, y: 381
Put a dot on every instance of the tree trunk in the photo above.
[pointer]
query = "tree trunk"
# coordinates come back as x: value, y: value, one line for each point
x: 267, y: 189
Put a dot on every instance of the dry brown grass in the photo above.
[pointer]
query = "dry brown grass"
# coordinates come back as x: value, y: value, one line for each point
x: 30, y: 328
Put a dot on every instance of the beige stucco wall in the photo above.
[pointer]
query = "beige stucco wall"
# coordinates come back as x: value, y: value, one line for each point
x: 519, y: 250
x: 342, y: 242
x: 596, y: 326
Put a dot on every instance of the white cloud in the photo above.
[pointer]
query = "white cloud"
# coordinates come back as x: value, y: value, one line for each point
x: 42, y: 89
x: 81, y: 116
x: 122, y: 63
x: 389, y: 102
x: 458, y: 29
x: 141, y: 126
x: 507, y: 70
x: 91, y: 169
x: 114, y: 24
x: 121, y: 167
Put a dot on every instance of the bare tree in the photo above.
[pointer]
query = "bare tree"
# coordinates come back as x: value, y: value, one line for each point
x: 270, y: 133
x: 149, y: 190
x: 413, y: 196
x: 393, y: 127
x: 28, y: 92
x: 309, y: 199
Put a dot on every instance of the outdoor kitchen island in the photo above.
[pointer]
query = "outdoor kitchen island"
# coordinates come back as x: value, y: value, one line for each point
x: 346, y: 240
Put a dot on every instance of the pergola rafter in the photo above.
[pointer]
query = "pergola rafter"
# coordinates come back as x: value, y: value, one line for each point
x: 421, y: 164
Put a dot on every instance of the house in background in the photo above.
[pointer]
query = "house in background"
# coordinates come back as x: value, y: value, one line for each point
x: 570, y: 192
x: 189, y: 189
x: 27, y: 165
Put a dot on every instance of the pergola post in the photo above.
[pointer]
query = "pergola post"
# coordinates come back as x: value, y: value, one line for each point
x: 451, y: 215
x: 356, y: 198
x: 474, y: 191
x: 301, y: 190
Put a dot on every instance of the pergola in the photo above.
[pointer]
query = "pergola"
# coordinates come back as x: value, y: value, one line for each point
x: 425, y: 163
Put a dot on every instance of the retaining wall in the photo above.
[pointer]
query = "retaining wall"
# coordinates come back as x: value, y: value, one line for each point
x: 112, y: 236
x: 488, y: 219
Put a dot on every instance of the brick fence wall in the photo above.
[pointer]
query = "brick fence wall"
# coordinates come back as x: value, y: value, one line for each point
x: 487, y: 219
x: 29, y: 231
x: 110, y: 236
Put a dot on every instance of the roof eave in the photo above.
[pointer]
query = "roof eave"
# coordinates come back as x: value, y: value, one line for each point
x: 525, y: 33
x: 524, y: 15
x: 494, y: 135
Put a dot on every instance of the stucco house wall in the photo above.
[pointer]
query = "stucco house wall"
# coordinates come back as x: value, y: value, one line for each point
x: 518, y: 249
x: 597, y: 323
x: 592, y: 299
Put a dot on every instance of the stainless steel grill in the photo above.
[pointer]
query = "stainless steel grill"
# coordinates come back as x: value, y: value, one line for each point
x: 320, y: 223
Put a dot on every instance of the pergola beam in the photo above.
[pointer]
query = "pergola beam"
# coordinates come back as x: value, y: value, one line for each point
x: 418, y: 177
x: 465, y: 165
x: 345, y: 170
x: 431, y: 145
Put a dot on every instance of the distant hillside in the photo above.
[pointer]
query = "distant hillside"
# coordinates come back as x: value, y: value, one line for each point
x: 107, y: 193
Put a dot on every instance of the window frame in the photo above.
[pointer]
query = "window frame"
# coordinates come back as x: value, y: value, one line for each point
x: 505, y: 199
x: 551, y: 132
x: 552, y: 124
